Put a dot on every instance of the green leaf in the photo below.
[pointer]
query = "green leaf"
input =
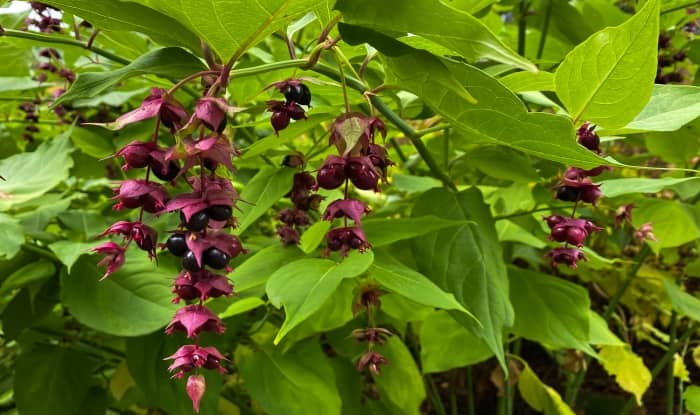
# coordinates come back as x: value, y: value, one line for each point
x: 122, y: 15
x: 11, y: 235
x: 69, y: 251
x: 133, y: 301
x: 539, y: 396
x: 435, y: 21
x: 241, y: 306
x: 683, y: 302
x: 313, y: 236
x: 304, y: 285
x: 413, y: 184
x: 145, y: 357
x: 599, y: 334
x: 670, y: 108
x: 19, y: 83
x: 400, y: 383
x: 529, y: 81
x: 510, y: 231
x: 28, y: 308
x: 409, y: 283
x: 467, y: 262
x: 382, y: 232
x: 168, y: 62
x: 691, y: 396
x: 443, y: 342
x: 256, y: 270
x: 503, y: 163
x: 498, y: 117
x: 618, y: 187
x: 277, y: 380
x: 286, y: 136
x: 628, y: 369
x: 28, y: 274
x: 238, y: 24
x: 673, y: 222
x: 51, y: 380
x: 30, y: 175
x: 550, y: 310
x: 261, y: 192
x: 608, y: 79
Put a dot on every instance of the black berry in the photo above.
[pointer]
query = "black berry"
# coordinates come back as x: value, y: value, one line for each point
x: 219, y: 212
x: 198, y: 221
x: 568, y: 194
x: 298, y: 93
x: 163, y: 174
x: 189, y: 262
x: 176, y: 244
x: 215, y: 258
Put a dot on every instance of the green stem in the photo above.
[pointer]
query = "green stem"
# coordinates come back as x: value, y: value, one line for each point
x: 435, y: 396
x: 39, y: 37
x: 575, y: 385
x: 663, y: 362
x: 529, y: 212
x: 425, y: 131
x: 545, y: 29
x: 454, y: 410
x: 683, y: 6
x: 522, y: 27
x: 41, y: 252
x: 670, y: 381
x: 471, y: 407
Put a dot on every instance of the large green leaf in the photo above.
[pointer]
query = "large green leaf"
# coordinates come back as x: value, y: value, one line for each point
x: 263, y: 191
x: 230, y: 26
x: 408, y: 283
x: 446, y: 344
x: 691, y: 396
x: 145, y: 357
x: 303, y: 286
x: 168, y: 62
x: 28, y: 308
x: 498, y: 117
x: 683, y: 302
x: 673, y: 222
x: 436, y: 21
x: 133, y: 301
x: 11, y: 235
x: 382, y: 232
x: 608, y: 79
x: 539, y: 396
x: 618, y: 187
x: 550, y: 310
x: 670, y: 108
x: 130, y: 16
x: 628, y: 368
x: 467, y: 262
x: 51, y: 380
x: 298, y: 382
x: 28, y: 274
x: 255, y: 271
x: 400, y: 383
x: 30, y: 175
x: 528, y: 81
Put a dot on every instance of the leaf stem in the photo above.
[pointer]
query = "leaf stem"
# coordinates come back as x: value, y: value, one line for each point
x: 63, y: 41
x: 471, y: 408
x: 575, y: 386
x: 189, y: 78
x: 545, y: 29
x: 682, y: 6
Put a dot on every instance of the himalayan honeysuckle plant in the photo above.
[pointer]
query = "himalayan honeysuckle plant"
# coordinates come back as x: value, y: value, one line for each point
x: 352, y: 207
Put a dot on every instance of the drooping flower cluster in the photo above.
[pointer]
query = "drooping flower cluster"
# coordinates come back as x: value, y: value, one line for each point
x: 296, y: 94
x: 297, y: 217
x: 201, y: 240
x: 371, y: 361
x: 576, y: 186
x: 669, y: 60
x: 361, y: 162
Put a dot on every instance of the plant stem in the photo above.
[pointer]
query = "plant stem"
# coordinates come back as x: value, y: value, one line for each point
x: 471, y: 408
x: 545, y: 29
x: 425, y: 131
x: 189, y: 78
x: 344, y: 85
x: 528, y: 212
x: 63, y: 41
x: 41, y: 252
x: 435, y: 396
x: 522, y: 27
x: 454, y: 410
x: 683, y: 6
x: 661, y: 364
x: 670, y: 382
x: 577, y: 381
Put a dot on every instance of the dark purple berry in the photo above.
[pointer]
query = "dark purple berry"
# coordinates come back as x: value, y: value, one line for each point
x: 361, y: 176
x: 219, y: 212
x: 198, y: 221
x: 279, y: 120
x: 210, y: 164
x: 215, y: 258
x: 176, y: 244
x: 298, y: 93
x: 568, y: 194
x: 189, y: 262
x: 679, y: 56
x: 187, y: 292
x: 165, y: 175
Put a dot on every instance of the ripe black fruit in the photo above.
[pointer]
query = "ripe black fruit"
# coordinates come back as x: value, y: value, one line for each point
x: 163, y: 174
x: 219, y: 212
x: 198, y: 221
x: 176, y: 244
x: 189, y: 262
x: 568, y: 194
x: 215, y: 258
x: 299, y: 93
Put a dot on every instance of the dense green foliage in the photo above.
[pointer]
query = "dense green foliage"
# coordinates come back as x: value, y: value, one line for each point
x: 477, y: 305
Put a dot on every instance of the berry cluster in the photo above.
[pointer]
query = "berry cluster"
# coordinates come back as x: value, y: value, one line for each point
x: 296, y: 94
x: 667, y: 70
x: 205, y: 212
x: 371, y: 361
x: 297, y: 217
x: 575, y: 186
x: 362, y: 162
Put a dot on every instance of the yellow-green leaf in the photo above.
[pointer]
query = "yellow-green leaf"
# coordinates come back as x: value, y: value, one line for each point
x: 679, y: 369
x: 628, y: 368
x: 540, y: 396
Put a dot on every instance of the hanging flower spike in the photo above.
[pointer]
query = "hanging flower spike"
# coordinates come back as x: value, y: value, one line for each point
x: 372, y: 360
x: 588, y: 138
x: 293, y: 216
x: 136, y: 154
x: 331, y: 175
x: 205, y: 248
x: 194, y: 319
x: 288, y: 235
x: 157, y: 104
x: 361, y: 172
x: 135, y: 193
x: 191, y: 356
x: 200, y: 285
x: 144, y: 236
x: 345, y: 239
x: 374, y: 335
x: 114, y: 257
x: 623, y: 214
x: 213, y: 149
x: 645, y: 233
x: 575, y: 190
x: 568, y: 256
x: 282, y: 112
x: 212, y: 113
x: 294, y: 90
x: 573, y: 231
x: 349, y: 208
